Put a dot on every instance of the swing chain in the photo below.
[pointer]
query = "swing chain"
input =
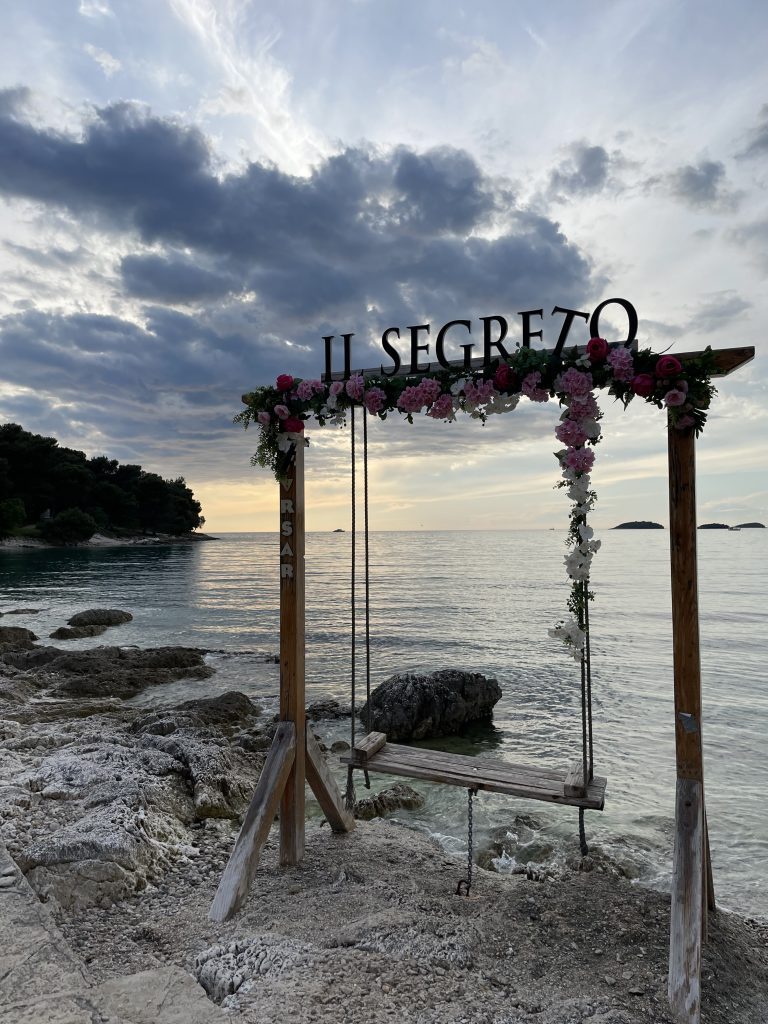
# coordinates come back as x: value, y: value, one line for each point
x: 465, y: 884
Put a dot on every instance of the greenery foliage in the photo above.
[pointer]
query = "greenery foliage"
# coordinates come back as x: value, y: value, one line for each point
x: 43, y: 483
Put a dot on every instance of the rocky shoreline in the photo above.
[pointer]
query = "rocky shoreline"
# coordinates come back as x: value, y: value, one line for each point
x: 121, y: 820
x: 101, y: 540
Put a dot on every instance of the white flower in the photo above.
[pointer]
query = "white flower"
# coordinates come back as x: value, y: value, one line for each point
x: 458, y: 386
x: 586, y: 532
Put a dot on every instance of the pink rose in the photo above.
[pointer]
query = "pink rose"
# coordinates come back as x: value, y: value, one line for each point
x: 282, y: 411
x: 305, y: 390
x: 264, y: 418
x: 643, y: 385
x: 668, y: 366
x: 674, y: 397
x: 284, y: 382
x: 597, y: 349
x: 684, y: 422
x: 336, y: 388
x: 293, y: 425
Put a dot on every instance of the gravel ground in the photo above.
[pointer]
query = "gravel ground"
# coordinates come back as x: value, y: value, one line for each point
x: 369, y: 929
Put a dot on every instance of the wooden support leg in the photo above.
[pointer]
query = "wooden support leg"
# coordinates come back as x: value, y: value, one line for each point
x: 292, y: 653
x: 236, y: 880
x: 687, y: 892
x: 325, y: 789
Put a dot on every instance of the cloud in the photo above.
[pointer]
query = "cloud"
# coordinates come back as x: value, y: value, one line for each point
x: 702, y: 186
x: 108, y: 64
x: 270, y: 262
x: 584, y: 172
x: 758, y: 139
x: 718, y: 312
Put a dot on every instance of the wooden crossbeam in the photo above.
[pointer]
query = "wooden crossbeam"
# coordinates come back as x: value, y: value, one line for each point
x: 236, y: 880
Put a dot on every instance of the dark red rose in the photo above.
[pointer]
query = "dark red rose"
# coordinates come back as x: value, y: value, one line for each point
x: 643, y: 384
x: 293, y: 425
x: 284, y: 382
x: 668, y: 366
x: 597, y: 349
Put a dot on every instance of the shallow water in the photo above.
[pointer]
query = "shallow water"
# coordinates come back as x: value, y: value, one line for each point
x: 483, y: 602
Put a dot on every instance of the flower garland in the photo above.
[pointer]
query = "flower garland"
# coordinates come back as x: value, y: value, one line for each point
x: 661, y: 380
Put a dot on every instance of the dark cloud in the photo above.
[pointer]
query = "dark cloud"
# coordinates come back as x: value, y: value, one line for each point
x: 172, y: 280
x: 754, y: 238
x: 272, y: 262
x: 702, y: 186
x: 718, y: 312
x: 54, y: 258
x: 757, y: 145
x: 585, y: 172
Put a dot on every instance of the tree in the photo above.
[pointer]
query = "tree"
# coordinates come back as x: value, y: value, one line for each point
x: 69, y: 527
x: 12, y: 515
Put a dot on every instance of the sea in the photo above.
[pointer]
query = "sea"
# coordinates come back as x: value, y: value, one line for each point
x: 483, y: 602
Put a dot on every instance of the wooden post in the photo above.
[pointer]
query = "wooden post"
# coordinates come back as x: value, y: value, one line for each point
x: 292, y: 653
x: 690, y: 886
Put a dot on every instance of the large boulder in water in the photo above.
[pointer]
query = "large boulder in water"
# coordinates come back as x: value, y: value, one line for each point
x: 100, y: 617
x: 416, y: 706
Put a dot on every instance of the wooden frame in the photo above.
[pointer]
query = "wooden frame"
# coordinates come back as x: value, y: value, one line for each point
x: 295, y: 756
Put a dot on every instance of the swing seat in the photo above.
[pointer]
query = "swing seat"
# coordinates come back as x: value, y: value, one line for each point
x: 374, y: 754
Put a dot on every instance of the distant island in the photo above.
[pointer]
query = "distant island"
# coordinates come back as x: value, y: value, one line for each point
x: 57, y: 495
x: 724, y: 526
x: 338, y: 530
x: 639, y: 524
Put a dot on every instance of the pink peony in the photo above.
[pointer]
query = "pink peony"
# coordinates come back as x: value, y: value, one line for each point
x: 264, y: 418
x: 643, y: 385
x: 674, y: 397
x: 305, y: 390
x: 430, y: 390
x: 581, y: 460
x: 668, y: 366
x: 532, y: 390
x: 284, y: 382
x: 337, y: 386
x: 375, y: 400
x: 355, y: 387
x: 584, y: 407
x: 293, y: 425
x: 570, y: 433
x: 282, y: 411
x: 442, y: 408
x: 597, y: 349
x: 411, y: 400
x: 576, y: 383
x: 621, y: 363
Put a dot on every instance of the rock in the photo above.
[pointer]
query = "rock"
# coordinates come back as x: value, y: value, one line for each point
x: 166, y: 995
x: 327, y: 709
x: 413, y: 706
x: 339, y: 746
x: 36, y: 611
x: 393, y: 798
x: 226, y: 712
x: 16, y: 638
x: 76, y: 632
x: 100, y: 617
x: 107, y: 671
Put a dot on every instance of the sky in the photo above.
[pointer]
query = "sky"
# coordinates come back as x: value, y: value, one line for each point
x: 194, y: 192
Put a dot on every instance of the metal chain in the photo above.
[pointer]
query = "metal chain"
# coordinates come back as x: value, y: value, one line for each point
x: 465, y: 884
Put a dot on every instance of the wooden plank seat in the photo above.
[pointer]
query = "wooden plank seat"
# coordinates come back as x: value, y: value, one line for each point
x: 374, y: 754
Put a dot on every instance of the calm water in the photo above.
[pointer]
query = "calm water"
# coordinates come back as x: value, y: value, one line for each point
x: 484, y: 602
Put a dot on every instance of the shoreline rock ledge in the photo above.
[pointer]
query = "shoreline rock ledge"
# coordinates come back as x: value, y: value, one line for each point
x: 417, y: 706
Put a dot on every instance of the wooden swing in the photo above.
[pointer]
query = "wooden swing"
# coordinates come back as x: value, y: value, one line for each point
x: 576, y: 787
x: 295, y: 758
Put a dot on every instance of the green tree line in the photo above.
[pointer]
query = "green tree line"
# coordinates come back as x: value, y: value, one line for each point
x: 68, y: 497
